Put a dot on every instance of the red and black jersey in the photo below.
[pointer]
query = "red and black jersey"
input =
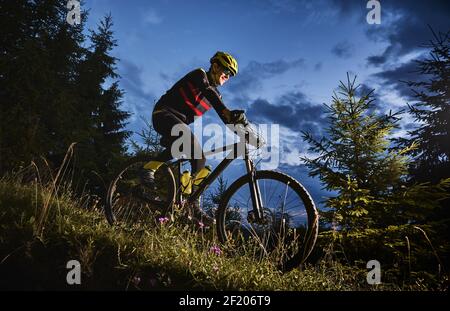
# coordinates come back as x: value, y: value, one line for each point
x: 191, y: 96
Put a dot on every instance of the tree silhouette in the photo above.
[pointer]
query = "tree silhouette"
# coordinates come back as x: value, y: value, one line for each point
x: 55, y: 91
x: 104, y: 147
x: 432, y: 112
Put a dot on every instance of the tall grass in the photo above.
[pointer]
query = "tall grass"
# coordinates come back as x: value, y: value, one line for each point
x: 43, y: 225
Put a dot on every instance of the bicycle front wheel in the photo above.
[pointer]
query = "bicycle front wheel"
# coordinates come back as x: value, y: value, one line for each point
x: 289, y: 227
x: 129, y: 201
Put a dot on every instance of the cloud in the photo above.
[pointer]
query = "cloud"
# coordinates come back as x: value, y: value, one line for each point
x: 292, y: 110
x: 164, y: 76
x: 347, y: 8
x: 318, y: 66
x: 363, y: 89
x: 410, y: 126
x: 378, y: 105
x: 313, y: 185
x: 405, y: 27
x: 376, y: 60
x: 396, y: 78
x: 283, y: 5
x: 268, y: 70
x: 250, y: 78
x: 343, y: 49
x: 137, y: 100
x: 131, y: 79
x: 404, y: 24
x: 315, y: 12
x: 152, y: 17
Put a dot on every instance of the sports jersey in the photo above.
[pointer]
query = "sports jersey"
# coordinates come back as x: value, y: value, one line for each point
x: 193, y: 95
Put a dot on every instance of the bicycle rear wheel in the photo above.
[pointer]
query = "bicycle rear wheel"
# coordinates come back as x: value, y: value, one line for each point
x: 129, y: 201
x: 289, y: 228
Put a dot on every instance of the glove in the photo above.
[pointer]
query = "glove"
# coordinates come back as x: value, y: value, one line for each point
x: 238, y: 117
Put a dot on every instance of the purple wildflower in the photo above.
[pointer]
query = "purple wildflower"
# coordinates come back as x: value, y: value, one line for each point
x: 136, y: 280
x: 216, y: 250
x: 163, y: 220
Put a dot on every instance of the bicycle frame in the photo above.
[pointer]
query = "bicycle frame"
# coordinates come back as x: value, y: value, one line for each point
x: 235, y: 152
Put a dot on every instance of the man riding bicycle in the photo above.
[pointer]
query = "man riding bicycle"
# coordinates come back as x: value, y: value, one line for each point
x: 192, y: 96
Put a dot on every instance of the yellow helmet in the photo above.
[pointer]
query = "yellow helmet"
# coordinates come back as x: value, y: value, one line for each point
x: 226, y: 60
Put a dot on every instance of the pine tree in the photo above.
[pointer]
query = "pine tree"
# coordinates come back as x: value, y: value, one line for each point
x: 374, y: 208
x: 432, y: 112
x: 103, y: 148
x: 150, y: 146
x: 355, y: 161
x: 430, y: 163
x: 55, y: 92
x: 212, y: 199
x: 38, y: 57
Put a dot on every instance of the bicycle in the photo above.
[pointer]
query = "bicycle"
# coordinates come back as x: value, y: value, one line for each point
x: 250, y: 208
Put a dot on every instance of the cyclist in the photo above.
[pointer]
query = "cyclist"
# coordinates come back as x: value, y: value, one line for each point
x: 192, y: 96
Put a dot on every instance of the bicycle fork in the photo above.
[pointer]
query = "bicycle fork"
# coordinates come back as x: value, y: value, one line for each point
x: 258, y: 214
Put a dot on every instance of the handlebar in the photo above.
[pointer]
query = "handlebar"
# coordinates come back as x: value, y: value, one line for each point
x: 251, y: 135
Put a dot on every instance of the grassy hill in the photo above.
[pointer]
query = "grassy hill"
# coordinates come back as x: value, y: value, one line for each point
x: 43, y: 227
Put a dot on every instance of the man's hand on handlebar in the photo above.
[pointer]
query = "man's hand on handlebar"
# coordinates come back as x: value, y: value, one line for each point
x: 238, y: 117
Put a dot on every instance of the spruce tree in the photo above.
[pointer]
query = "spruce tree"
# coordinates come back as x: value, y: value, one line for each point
x: 103, y: 148
x: 55, y: 91
x: 432, y: 112
x: 212, y: 199
x: 150, y: 145
x: 431, y: 156
x: 38, y: 57
x: 354, y: 160
x: 374, y: 207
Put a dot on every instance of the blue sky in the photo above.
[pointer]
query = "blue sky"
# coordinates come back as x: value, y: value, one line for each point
x: 291, y: 53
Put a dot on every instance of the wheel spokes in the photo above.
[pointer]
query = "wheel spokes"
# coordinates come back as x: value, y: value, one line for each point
x: 130, y: 201
x: 285, y: 220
